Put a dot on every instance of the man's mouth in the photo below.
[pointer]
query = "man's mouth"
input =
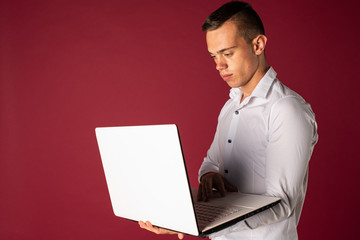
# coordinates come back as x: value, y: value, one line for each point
x: 226, y: 77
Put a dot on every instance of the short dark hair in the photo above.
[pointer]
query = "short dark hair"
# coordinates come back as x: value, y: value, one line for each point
x: 242, y: 14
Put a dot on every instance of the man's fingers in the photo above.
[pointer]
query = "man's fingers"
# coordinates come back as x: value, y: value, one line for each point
x: 148, y: 226
x: 141, y: 224
x: 208, y: 183
x: 219, y: 184
x: 151, y: 227
x: 199, y: 197
x: 213, y: 180
x: 202, y: 194
x: 180, y: 236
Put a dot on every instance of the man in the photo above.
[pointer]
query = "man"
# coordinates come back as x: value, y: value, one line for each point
x: 265, y: 134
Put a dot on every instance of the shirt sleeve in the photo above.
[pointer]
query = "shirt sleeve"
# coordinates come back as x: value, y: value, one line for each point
x: 213, y: 158
x: 211, y: 161
x: 291, y: 138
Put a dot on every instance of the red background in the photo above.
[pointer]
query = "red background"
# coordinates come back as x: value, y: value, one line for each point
x: 70, y: 66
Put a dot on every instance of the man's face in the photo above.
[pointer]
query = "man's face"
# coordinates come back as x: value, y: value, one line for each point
x: 235, y: 59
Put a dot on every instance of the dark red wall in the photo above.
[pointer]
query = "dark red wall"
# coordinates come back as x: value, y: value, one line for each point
x: 70, y: 66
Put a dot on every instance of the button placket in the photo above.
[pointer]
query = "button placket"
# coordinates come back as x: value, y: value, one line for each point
x: 230, y: 140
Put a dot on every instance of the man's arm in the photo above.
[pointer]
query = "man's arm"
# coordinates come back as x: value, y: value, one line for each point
x: 292, y: 136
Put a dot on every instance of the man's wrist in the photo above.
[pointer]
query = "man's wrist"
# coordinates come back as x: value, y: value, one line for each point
x: 205, y: 175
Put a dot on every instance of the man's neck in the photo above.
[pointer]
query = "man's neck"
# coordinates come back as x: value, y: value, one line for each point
x: 258, y: 75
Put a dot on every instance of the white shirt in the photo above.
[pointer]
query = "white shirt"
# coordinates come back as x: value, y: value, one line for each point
x: 263, y: 146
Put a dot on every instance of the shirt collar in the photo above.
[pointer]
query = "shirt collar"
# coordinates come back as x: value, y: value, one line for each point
x: 260, y: 90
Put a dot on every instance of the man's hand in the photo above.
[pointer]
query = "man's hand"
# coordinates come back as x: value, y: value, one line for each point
x: 213, y: 180
x: 148, y: 226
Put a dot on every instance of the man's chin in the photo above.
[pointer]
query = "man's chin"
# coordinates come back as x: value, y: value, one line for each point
x: 232, y: 85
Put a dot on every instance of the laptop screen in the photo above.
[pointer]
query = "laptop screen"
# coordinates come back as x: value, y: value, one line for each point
x: 146, y: 175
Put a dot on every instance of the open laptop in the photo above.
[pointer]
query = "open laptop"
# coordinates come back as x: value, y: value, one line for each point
x: 147, y: 180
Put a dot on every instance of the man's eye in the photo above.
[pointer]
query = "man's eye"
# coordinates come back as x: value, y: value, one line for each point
x: 212, y: 56
x: 228, y: 54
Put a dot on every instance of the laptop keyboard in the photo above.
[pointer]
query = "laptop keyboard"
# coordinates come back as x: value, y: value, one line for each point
x: 208, y: 213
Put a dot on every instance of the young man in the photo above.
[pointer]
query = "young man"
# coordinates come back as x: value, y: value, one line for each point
x: 265, y: 134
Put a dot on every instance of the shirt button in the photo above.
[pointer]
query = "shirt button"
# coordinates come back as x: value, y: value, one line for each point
x: 237, y: 112
x: 229, y: 141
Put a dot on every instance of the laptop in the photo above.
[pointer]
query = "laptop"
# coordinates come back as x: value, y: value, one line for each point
x: 147, y: 180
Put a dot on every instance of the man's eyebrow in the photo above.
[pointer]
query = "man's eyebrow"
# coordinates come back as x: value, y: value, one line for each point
x: 223, y: 50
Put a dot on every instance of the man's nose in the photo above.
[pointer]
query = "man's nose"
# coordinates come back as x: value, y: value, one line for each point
x: 220, y: 64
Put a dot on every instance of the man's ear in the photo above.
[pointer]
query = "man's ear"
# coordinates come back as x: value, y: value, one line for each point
x: 259, y: 44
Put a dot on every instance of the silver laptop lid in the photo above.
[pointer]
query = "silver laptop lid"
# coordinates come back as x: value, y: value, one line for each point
x: 146, y: 175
